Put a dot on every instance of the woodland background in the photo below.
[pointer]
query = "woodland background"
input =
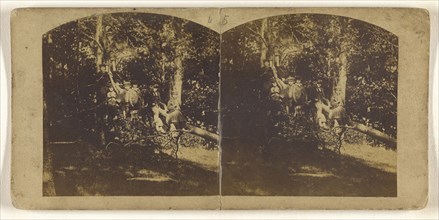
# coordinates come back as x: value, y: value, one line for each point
x: 178, y: 56
x: 283, y: 155
x: 184, y: 59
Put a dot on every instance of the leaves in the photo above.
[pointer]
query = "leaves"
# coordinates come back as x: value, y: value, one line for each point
x: 140, y: 48
x: 310, y: 46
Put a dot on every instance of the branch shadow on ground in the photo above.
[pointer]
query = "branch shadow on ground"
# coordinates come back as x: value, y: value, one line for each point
x: 301, y: 170
x: 83, y: 170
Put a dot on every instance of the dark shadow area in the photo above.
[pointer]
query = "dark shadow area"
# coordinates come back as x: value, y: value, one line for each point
x: 120, y: 92
x: 297, y: 88
x: 300, y: 170
x: 81, y: 170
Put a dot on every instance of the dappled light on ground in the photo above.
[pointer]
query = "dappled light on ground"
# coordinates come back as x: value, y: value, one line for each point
x: 78, y: 173
x: 377, y: 157
x: 307, y: 171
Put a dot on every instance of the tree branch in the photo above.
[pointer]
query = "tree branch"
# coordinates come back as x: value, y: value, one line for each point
x: 259, y: 35
x: 203, y: 133
x: 93, y: 39
x: 142, y: 24
x: 374, y: 133
x: 295, y: 37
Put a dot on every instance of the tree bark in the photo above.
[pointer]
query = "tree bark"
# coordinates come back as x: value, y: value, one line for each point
x: 341, y: 51
x: 175, y: 97
x: 264, y: 48
x: 99, y: 52
x: 342, y: 77
x: 99, y: 61
x: 391, y: 142
x: 177, y: 83
x: 203, y: 133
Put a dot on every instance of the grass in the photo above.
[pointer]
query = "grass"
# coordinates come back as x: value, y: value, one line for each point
x: 283, y: 170
x: 82, y: 170
x: 300, y: 170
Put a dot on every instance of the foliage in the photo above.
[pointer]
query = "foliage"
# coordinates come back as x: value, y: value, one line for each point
x: 310, y: 47
x: 144, y: 48
x: 140, y: 48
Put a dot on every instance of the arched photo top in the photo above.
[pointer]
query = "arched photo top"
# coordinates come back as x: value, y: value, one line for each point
x: 320, y: 18
x: 353, y: 63
x: 131, y: 83
x: 147, y: 17
x: 112, y: 38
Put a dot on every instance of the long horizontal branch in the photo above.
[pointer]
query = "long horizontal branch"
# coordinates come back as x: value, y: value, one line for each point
x: 374, y: 133
x: 203, y: 133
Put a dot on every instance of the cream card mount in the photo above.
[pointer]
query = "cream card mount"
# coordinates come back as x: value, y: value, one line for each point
x: 208, y: 108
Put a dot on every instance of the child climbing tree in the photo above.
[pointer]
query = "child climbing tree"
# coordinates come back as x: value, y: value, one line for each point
x: 139, y: 50
x: 342, y: 53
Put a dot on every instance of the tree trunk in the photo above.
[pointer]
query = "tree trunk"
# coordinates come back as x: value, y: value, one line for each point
x: 163, y: 77
x: 99, y: 52
x: 175, y: 98
x: 391, y: 142
x: 99, y: 61
x: 264, y: 48
x: 177, y: 83
x: 341, y: 51
x: 203, y: 133
x: 342, y: 77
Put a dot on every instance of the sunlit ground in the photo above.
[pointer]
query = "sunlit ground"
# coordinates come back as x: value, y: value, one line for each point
x: 360, y: 170
x: 79, y: 172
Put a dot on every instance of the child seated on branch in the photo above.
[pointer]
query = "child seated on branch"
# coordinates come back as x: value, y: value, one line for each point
x: 128, y: 96
x: 176, y: 120
x: 335, y: 111
x: 157, y: 121
x: 292, y: 92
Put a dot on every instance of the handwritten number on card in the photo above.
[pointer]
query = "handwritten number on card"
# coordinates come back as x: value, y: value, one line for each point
x: 224, y: 21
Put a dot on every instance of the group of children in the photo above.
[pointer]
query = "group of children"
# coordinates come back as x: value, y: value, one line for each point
x: 126, y: 97
x: 130, y: 99
x: 294, y: 95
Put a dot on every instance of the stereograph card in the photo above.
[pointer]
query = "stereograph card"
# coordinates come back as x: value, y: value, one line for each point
x: 219, y: 108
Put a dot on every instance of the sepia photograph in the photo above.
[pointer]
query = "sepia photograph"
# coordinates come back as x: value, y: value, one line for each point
x: 130, y: 107
x: 308, y: 107
x: 141, y: 108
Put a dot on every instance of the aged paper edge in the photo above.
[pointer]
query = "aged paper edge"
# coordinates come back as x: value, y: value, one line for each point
x: 27, y: 129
